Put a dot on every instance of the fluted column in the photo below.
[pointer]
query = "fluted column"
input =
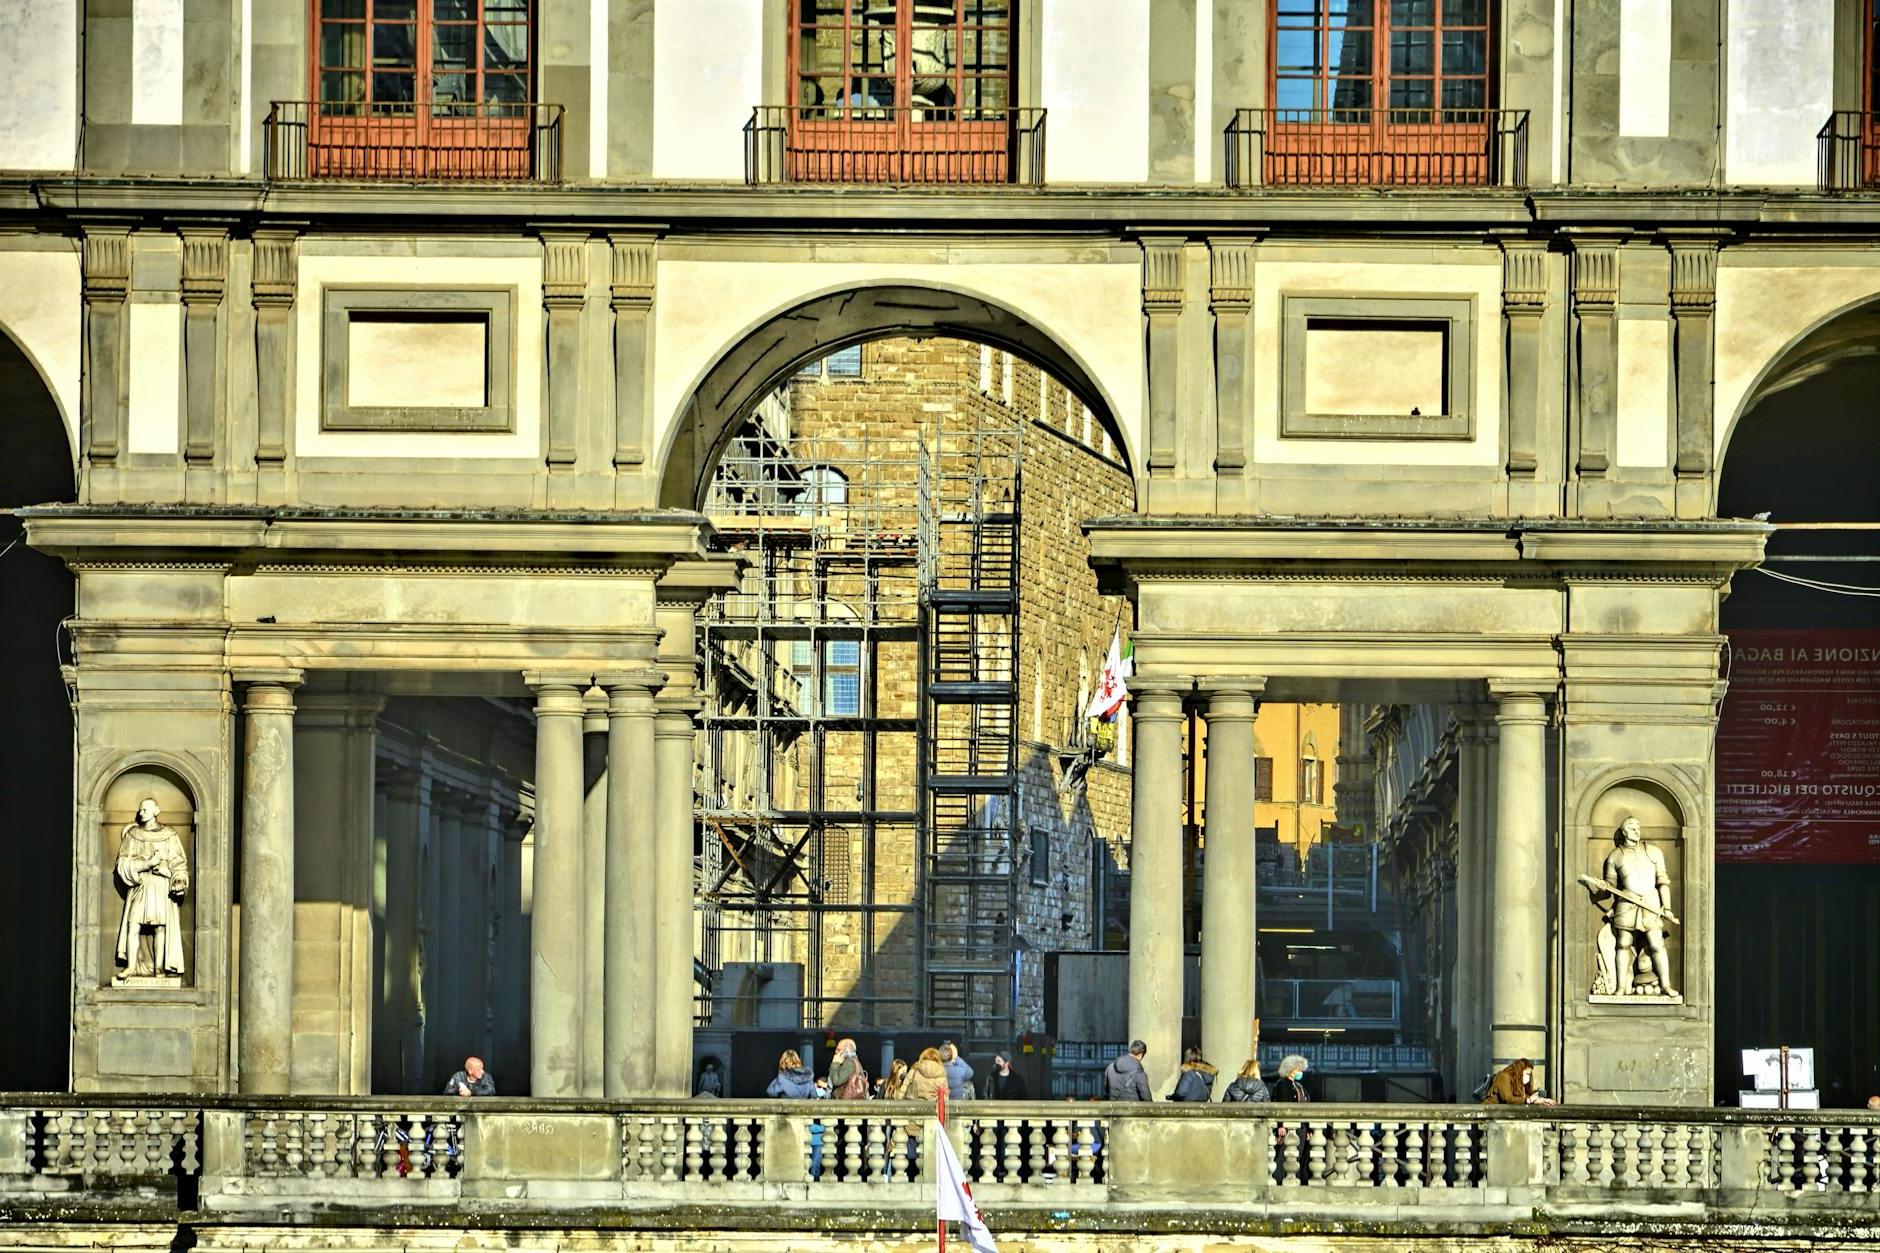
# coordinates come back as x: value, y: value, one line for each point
x: 1518, y: 991
x: 265, y: 1047
x: 629, y: 943
x: 1155, y: 877
x: 555, y: 933
x: 673, y: 885
x: 1227, y: 887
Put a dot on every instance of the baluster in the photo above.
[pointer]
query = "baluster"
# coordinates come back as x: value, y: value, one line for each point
x: 55, y: 1150
x: 1811, y: 1156
x: 1436, y: 1175
x: 1465, y: 1153
x: 267, y: 1142
x: 898, y: 1165
x: 1676, y: 1151
x: 1290, y: 1154
x: 315, y: 1132
x: 719, y: 1143
x: 986, y: 1140
x: 126, y: 1139
x: 741, y: 1151
x: 393, y: 1146
x: 671, y: 1155
x: 1837, y: 1158
x: 1039, y: 1160
x: 1651, y: 1165
x: 97, y: 1143
x: 877, y: 1154
x: 1388, y: 1157
x: 1338, y: 1155
x: 851, y: 1151
x: 1606, y: 1150
x: 1857, y: 1159
x: 1315, y: 1154
x: 1414, y: 1165
x: 1781, y: 1158
x: 1083, y: 1163
x: 649, y: 1148
x: 1060, y: 1150
x: 1364, y: 1168
x: 1012, y: 1162
x: 694, y: 1149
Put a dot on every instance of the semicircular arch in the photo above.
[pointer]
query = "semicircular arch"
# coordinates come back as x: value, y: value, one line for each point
x: 773, y: 346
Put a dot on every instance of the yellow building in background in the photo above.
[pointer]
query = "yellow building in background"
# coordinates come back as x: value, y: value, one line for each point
x: 1295, y: 773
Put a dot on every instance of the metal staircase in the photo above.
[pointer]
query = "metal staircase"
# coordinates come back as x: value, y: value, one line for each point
x: 969, y: 501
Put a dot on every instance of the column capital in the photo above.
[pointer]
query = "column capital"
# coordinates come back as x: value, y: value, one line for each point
x: 558, y: 681
x: 675, y: 716
x: 558, y: 694
x: 1230, y: 698
x: 1157, y: 697
x: 1519, y: 700
x: 630, y: 693
x: 268, y: 691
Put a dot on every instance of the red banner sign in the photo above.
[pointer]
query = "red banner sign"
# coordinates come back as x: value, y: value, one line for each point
x: 1798, y: 754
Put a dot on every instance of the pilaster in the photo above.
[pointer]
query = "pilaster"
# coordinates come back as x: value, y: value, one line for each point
x: 275, y: 279
x: 1693, y: 320
x: 1523, y: 306
x: 1595, y: 360
x: 634, y: 259
x: 564, y: 296
x: 205, y: 279
x: 1163, y: 296
x: 1230, y: 300
x: 106, y: 258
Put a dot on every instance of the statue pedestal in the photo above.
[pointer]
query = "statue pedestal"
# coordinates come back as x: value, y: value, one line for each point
x: 1602, y: 998
x: 147, y: 981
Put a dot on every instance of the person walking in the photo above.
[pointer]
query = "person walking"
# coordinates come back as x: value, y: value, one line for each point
x: 1247, y: 1085
x: 848, y: 1081
x: 1007, y: 1084
x: 1196, y: 1081
x: 959, y: 1073
x: 794, y: 1080
x: 1125, y: 1078
x: 1290, y: 1086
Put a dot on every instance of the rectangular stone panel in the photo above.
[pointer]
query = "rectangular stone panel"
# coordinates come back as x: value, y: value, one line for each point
x: 439, y: 359
x: 1357, y: 369
x: 1377, y: 367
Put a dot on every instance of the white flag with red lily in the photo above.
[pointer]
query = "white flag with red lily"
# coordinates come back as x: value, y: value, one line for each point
x: 1113, y: 683
x: 955, y: 1196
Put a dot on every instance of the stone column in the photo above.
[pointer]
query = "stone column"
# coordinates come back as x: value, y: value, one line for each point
x: 265, y: 1047
x: 1227, y: 887
x: 630, y: 878
x: 1155, y: 877
x: 512, y: 995
x: 593, y: 904
x: 1475, y: 806
x: 555, y: 934
x: 1519, y: 945
x: 407, y: 811
x: 673, y: 886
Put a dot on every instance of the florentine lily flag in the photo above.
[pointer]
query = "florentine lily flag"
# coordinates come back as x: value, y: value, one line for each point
x: 1113, y: 683
x: 954, y: 1196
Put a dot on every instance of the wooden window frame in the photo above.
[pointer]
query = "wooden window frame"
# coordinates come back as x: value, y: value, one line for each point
x: 1369, y: 142
x: 420, y: 135
x: 860, y: 137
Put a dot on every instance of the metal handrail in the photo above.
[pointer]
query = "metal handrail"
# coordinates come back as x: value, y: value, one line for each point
x: 398, y: 141
x: 1848, y: 151
x: 903, y: 145
x: 1382, y: 147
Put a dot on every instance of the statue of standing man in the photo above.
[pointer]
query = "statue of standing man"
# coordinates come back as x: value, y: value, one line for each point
x: 1634, y: 891
x: 154, y: 872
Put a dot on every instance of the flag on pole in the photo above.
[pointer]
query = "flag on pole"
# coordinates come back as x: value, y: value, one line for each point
x: 954, y: 1196
x: 1113, y: 683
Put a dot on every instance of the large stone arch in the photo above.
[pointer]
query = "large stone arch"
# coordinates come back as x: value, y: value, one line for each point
x: 769, y: 351
x: 36, y: 735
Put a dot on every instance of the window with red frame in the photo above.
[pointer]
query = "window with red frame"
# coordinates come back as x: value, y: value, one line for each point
x: 1356, y: 55
x: 947, y: 59
x: 388, y: 56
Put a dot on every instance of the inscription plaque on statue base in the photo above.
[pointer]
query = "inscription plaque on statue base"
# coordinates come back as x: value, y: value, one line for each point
x: 147, y: 981
x: 1603, y: 998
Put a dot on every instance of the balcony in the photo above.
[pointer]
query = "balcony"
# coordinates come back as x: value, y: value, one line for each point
x: 399, y: 142
x: 906, y: 146
x: 1377, y: 148
x: 769, y: 1167
x: 1848, y: 153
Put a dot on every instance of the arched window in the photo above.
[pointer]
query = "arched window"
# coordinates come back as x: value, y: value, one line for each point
x: 824, y: 488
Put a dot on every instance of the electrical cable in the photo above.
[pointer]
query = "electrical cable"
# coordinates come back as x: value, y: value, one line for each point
x: 1820, y: 585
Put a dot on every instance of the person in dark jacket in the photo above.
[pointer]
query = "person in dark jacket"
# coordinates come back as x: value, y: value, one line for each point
x: 1124, y: 1078
x: 472, y: 1080
x: 1290, y: 1086
x: 1247, y: 1085
x: 794, y: 1080
x: 1196, y: 1081
x: 1007, y: 1084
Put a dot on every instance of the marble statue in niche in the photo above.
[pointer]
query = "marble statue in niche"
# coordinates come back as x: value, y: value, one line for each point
x: 1632, y: 956
x: 154, y: 873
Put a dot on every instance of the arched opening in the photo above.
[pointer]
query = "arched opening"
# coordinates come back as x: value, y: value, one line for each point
x: 35, y: 736
x: 901, y: 799
x: 1798, y: 787
x: 769, y: 354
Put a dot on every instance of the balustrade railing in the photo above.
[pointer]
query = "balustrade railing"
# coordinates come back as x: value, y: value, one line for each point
x: 245, y: 1158
x: 1848, y: 151
x: 1383, y: 147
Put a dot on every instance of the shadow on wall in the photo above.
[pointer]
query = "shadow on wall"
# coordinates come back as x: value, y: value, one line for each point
x: 35, y: 739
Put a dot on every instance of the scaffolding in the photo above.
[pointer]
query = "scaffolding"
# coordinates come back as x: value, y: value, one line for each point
x: 859, y: 738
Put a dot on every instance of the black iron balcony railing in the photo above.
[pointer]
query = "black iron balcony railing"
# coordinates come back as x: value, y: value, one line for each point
x: 403, y: 142
x: 1377, y: 148
x: 870, y: 144
x: 1848, y: 152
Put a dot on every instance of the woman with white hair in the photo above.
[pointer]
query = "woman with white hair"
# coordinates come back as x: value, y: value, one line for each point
x: 1290, y: 1086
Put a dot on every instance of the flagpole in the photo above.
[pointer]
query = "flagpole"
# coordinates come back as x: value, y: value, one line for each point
x: 940, y: 1224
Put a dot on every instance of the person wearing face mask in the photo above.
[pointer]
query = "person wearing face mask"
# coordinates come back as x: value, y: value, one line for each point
x: 1290, y: 1086
x: 1513, y: 1084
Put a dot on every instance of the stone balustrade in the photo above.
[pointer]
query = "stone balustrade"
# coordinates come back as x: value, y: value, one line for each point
x: 757, y: 1164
